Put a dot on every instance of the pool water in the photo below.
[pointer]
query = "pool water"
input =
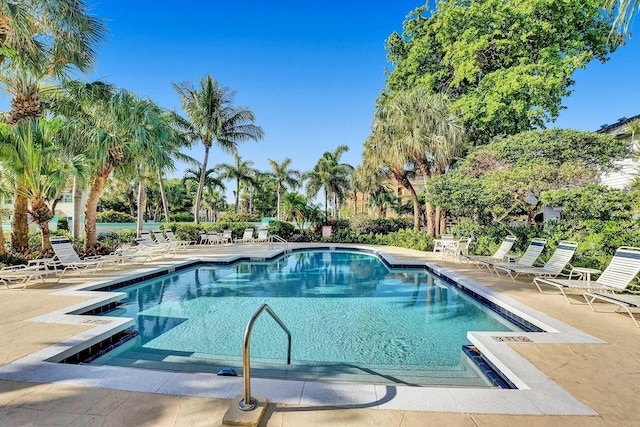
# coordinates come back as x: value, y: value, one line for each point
x: 347, y: 312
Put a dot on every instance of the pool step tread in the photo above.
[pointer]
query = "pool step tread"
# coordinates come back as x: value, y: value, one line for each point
x: 233, y: 361
x: 298, y: 371
x: 257, y: 372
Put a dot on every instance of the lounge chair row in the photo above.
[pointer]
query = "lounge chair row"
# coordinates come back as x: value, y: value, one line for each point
x: 611, y: 287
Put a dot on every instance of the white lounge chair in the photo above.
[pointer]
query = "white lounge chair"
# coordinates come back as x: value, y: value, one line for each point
x: 624, y: 266
x: 152, y: 248
x: 555, y: 266
x: 172, y: 238
x: 536, y: 246
x: 68, y: 258
x: 498, y: 255
x: 623, y: 301
x: 247, y: 236
x: 160, y: 238
x: 263, y: 235
x: 24, y: 274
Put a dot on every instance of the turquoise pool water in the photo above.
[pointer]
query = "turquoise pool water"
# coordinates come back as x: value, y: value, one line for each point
x: 348, y: 313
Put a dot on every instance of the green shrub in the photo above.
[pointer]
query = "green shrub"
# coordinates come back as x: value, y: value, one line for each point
x: 239, y: 217
x: 181, y: 217
x: 113, y: 216
x: 63, y: 223
x: 282, y: 229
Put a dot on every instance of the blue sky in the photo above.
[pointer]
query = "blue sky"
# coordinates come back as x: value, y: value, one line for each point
x: 310, y: 70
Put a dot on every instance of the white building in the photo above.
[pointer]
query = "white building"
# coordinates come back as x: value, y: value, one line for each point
x: 627, y: 169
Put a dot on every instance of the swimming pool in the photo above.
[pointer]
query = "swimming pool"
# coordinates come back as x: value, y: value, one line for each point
x: 352, y: 318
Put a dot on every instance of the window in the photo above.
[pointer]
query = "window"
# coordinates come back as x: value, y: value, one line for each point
x: 66, y: 198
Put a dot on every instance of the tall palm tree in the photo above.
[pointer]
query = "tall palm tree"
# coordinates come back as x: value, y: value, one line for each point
x: 41, y: 40
x: 383, y: 150
x: 241, y: 172
x: 30, y: 148
x: 213, y: 118
x: 331, y: 176
x: 424, y: 125
x: 6, y: 181
x: 212, y: 182
x: 626, y: 10
x: 284, y: 177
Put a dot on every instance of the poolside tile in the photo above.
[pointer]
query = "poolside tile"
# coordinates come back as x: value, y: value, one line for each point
x: 556, y: 401
x: 347, y: 395
x: 288, y: 392
x: 493, y: 401
x: 415, y: 398
x: 199, y: 385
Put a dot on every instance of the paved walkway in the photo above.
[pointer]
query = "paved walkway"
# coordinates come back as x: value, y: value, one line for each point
x: 606, y: 377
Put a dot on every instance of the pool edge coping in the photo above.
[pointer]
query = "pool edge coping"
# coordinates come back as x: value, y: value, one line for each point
x: 537, y: 394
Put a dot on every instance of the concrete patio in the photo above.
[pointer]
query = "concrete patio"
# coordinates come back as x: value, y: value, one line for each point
x: 603, y: 376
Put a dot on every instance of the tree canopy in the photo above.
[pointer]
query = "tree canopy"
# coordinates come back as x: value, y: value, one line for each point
x: 505, y: 64
x: 507, y: 177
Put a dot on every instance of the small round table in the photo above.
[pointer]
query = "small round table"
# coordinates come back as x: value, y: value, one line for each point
x: 585, y: 273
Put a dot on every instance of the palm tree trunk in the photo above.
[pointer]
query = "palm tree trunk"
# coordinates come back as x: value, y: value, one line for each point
x: 401, y: 177
x: 19, y: 221
x: 3, y: 249
x: 431, y: 220
x: 278, y: 213
x: 203, y: 173
x: 163, y: 195
x: 91, y: 207
x: 140, y: 207
x: 77, y: 206
x: 237, y: 195
x: 355, y: 203
x: 41, y: 214
x: 326, y: 205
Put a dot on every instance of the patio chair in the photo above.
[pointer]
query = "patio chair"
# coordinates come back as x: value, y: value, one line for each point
x: 68, y: 258
x: 24, y: 274
x: 227, y: 236
x: 214, y: 238
x: 441, y: 243
x: 263, y: 236
x: 457, y: 248
x: 535, y: 248
x: 498, y: 255
x: 624, y: 266
x: 204, y: 239
x: 247, y: 236
x: 555, y: 266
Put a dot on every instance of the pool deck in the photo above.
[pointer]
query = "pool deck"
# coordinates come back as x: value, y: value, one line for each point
x: 603, y: 376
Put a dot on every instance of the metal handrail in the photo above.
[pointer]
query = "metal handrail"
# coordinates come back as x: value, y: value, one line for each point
x: 248, y: 403
x: 277, y: 238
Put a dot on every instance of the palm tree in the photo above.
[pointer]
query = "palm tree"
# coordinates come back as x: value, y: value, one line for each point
x: 241, y: 172
x: 283, y: 177
x: 211, y: 182
x: 383, y: 150
x: 625, y: 14
x: 424, y: 126
x: 212, y: 117
x: 331, y: 176
x: 40, y: 40
x: 6, y: 181
x: 30, y: 148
